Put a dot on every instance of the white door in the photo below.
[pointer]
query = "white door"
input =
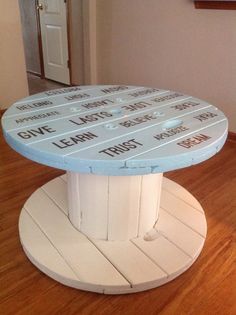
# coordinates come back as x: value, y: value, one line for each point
x: 54, y: 39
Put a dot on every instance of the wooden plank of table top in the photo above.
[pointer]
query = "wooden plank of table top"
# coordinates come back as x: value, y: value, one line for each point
x: 120, y: 102
x: 164, y: 155
x: 99, y: 120
x: 30, y: 106
x: 179, y: 152
x: 117, y: 137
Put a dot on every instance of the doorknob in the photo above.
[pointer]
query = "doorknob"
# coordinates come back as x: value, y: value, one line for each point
x: 39, y: 6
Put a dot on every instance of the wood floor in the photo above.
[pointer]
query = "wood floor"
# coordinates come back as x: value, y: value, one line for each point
x: 37, y: 85
x: 208, y: 287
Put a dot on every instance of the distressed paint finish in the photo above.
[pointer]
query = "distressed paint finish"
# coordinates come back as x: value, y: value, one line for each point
x: 115, y: 130
x: 121, y: 207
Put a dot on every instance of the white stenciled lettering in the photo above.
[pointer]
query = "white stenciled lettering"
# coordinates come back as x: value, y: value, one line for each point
x: 190, y: 142
x: 35, y: 132
x: 79, y: 138
x: 121, y: 148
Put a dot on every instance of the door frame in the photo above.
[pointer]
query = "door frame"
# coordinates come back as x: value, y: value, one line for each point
x: 40, y: 45
x: 89, y: 11
x: 68, y: 9
x: 42, y: 76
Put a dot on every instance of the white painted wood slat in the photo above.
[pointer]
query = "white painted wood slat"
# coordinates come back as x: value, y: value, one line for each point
x: 123, y: 204
x: 178, y: 233
x: 93, y: 196
x: 181, y: 193
x: 73, y: 199
x: 165, y: 254
x: 42, y: 250
x: 82, y: 256
x: 183, y: 212
x: 64, y: 177
x: 132, y: 263
x: 56, y: 189
x: 149, y: 202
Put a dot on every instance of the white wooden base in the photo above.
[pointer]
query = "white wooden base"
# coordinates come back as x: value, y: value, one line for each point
x: 113, y: 208
x: 58, y: 249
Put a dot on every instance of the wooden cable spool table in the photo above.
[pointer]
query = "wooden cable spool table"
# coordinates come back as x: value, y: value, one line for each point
x: 114, y: 224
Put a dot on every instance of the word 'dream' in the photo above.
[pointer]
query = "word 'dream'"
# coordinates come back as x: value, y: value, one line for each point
x: 190, y: 142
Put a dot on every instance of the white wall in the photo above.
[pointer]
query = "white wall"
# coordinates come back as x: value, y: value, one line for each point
x: 13, y: 80
x: 169, y: 44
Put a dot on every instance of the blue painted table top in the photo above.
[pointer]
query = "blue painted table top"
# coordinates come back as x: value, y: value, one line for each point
x: 115, y: 130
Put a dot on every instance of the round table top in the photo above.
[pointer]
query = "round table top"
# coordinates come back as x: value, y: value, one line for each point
x: 115, y: 130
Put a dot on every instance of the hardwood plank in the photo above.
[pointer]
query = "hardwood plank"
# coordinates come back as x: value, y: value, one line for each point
x: 216, y: 5
x: 232, y: 136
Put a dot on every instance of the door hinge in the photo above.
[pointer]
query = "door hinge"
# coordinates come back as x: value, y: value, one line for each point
x: 65, y: 1
x: 68, y: 63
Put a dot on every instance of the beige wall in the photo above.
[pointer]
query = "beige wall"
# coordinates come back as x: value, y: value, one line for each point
x: 169, y: 44
x: 83, y: 41
x: 13, y: 81
x: 76, y: 42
